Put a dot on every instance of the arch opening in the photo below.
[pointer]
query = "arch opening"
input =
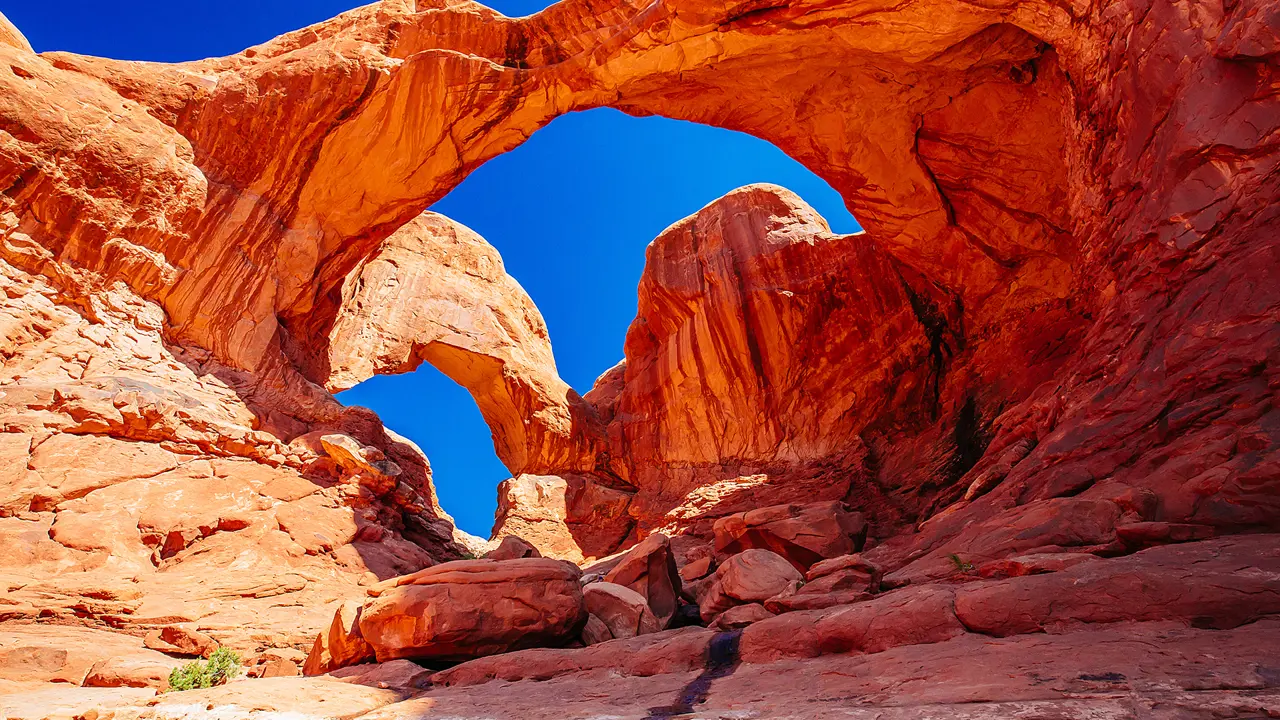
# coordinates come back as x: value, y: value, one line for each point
x: 571, y: 212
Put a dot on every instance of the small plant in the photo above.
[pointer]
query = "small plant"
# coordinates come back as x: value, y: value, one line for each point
x: 961, y: 565
x: 221, y: 666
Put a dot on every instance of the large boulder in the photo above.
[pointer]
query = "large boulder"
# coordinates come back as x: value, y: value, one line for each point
x: 650, y: 569
x: 839, y: 581
x: 803, y: 534
x: 471, y: 608
x: 512, y: 548
x: 624, y: 611
x: 752, y: 576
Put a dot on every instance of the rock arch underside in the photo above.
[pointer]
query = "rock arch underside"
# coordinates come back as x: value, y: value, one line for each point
x: 1038, y: 393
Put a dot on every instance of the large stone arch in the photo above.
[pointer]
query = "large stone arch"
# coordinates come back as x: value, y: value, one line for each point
x: 1081, y: 180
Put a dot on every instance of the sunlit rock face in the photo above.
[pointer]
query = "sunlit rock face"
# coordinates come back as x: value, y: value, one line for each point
x: 764, y: 346
x: 436, y: 291
x: 1058, y: 332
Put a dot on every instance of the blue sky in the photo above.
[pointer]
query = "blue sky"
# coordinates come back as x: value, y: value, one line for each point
x: 571, y: 210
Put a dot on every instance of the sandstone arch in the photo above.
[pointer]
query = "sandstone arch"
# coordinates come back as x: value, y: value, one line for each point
x: 1091, y: 181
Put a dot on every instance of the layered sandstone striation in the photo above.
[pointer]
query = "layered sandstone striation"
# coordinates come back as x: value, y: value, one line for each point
x: 1057, y: 340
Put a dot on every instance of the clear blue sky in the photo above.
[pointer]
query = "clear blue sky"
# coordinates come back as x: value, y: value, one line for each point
x: 571, y: 210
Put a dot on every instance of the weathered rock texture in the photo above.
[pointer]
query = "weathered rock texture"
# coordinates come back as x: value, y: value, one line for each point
x: 1059, y: 332
x: 471, y: 608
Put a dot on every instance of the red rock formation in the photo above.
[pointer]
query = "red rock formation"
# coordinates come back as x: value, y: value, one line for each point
x: 752, y: 576
x: 649, y: 568
x: 803, y: 534
x: 1059, y: 332
x: 469, y: 319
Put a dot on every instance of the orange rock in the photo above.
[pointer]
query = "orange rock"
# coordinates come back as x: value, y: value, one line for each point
x: 624, y: 611
x: 10, y: 35
x: 571, y: 517
x: 733, y: 291
x: 1058, y: 333
x: 511, y: 548
x: 471, y: 608
x: 279, y: 667
x: 696, y: 569
x: 803, y: 534
x: 751, y: 576
x: 473, y: 322
x: 650, y: 569
x: 180, y: 640
x: 132, y: 671
x: 341, y: 645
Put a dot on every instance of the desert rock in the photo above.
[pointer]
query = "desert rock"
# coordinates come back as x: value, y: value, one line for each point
x: 803, y: 534
x: 624, y: 611
x: 470, y: 608
x: 650, y: 569
x: 751, y: 576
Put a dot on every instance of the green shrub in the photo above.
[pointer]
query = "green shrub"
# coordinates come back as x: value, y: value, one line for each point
x: 961, y: 565
x: 221, y: 666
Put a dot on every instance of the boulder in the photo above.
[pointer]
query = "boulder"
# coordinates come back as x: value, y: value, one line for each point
x: 624, y: 611
x: 180, y: 640
x: 650, y: 569
x: 741, y: 616
x: 471, y: 608
x: 567, y: 516
x: 512, y: 548
x: 138, y: 671
x: 749, y: 577
x: 279, y: 667
x: 697, y: 569
x: 342, y: 644
x: 803, y: 534
x: 595, y: 631
x: 839, y: 581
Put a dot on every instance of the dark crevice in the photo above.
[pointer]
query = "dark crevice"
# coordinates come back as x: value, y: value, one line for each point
x: 935, y: 326
x: 722, y: 660
x: 971, y: 441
